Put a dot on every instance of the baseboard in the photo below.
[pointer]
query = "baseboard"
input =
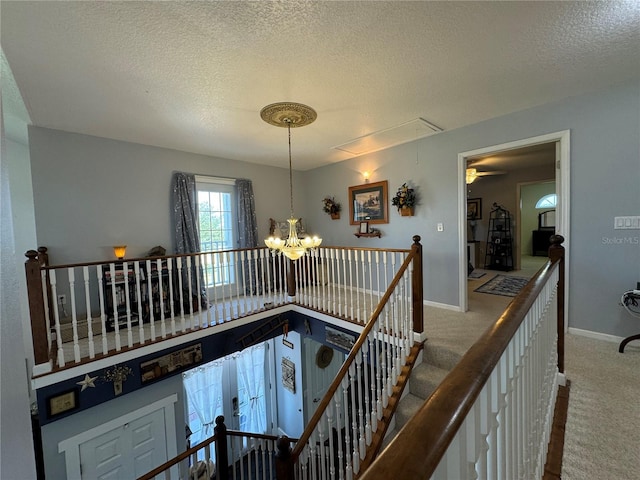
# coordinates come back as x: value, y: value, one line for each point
x: 597, y: 335
x: 445, y: 306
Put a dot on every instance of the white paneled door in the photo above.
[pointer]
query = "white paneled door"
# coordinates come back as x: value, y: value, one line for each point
x: 128, y: 451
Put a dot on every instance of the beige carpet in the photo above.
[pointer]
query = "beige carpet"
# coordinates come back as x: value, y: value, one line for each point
x: 602, y: 439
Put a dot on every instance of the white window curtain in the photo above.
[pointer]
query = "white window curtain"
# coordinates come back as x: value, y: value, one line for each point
x: 251, y: 374
x: 204, y: 400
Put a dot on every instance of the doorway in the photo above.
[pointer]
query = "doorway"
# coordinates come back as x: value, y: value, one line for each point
x: 561, y: 140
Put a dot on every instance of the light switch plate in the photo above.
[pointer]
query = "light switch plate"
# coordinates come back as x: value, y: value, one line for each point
x: 626, y: 223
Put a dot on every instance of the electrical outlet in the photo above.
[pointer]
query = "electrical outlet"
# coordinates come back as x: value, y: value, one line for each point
x: 62, y: 299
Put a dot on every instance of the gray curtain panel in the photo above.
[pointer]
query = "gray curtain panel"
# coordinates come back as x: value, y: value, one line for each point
x: 187, y: 240
x: 185, y: 213
x: 247, y: 229
x: 247, y: 224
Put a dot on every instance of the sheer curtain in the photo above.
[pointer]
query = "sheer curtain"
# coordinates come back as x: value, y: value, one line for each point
x: 247, y: 228
x: 251, y: 373
x: 204, y: 401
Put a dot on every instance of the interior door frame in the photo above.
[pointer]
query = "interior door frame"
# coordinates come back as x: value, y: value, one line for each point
x: 71, y: 446
x: 563, y: 175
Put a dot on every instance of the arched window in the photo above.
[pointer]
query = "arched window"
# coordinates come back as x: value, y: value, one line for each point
x: 547, y: 201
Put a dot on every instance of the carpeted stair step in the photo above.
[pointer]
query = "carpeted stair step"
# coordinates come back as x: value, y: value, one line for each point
x: 442, y: 356
x: 424, y: 380
x: 407, y: 408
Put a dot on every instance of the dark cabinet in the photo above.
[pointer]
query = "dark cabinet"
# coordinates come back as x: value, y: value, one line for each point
x: 499, y: 255
x: 121, y: 295
x: 540, y: 240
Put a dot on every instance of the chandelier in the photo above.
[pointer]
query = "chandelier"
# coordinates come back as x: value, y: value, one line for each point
x: 290, y: 115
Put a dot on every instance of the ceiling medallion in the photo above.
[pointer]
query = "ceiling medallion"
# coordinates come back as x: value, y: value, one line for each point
x: 288, y: 114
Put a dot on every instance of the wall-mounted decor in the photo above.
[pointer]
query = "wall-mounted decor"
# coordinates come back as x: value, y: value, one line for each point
x: 62, y: 402
x: 474, y: 209
x: 339, y: 338
x: 405, y: 200
x: 288, y: 375
x: 364, y: 227
x: 117, y: 375
x: 167, y: 364
x: 369, y: 203
x: 330, y: 206
x: 324, y: 356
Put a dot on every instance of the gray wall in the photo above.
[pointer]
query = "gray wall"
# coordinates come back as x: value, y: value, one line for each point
x: 605, y: 174
x: 92, y: 193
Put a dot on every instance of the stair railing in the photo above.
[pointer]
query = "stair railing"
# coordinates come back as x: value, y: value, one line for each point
x: 342, y: 427
x: 227, y: 454
x: 90, y: 310
x: 491, y: 417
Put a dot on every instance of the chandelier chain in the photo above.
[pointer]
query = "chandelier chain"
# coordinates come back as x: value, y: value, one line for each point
x: 290, y: 168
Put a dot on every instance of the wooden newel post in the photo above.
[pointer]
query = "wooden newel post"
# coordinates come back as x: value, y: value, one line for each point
x: 556, y: 252
x: 36, y: 308
x: 222, y: 450
x: 416, y: 286
x: 291, y: 278
x: 284, y: 461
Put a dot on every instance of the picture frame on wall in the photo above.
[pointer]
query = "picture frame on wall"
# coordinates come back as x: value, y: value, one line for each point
x: 62, y: 402
x: 364, y: 227
x: 474, y: 209
x: 369, y: 203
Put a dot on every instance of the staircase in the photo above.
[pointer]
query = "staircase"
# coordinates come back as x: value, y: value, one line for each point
x: 437, y: 361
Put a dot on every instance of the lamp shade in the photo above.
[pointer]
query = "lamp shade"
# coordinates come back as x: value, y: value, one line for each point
x: 120, y: 251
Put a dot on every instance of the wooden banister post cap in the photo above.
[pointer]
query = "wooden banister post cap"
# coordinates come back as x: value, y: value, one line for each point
x: 283, y: 445
x: 416, y: 239
x: 42, y: 249
x: 556, y: 240
x: 31, y: 255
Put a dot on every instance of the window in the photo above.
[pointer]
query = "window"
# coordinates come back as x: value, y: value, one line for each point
x: 233, y: 386
x: 547, y: 201
x: 216, y: 222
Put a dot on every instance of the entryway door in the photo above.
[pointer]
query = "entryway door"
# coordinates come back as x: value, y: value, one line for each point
x: 128, y: 451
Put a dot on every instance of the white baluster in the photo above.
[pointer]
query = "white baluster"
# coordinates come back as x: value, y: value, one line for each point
x: 181, y: 300
x: 366, y: 407
x: 114, y: 305
x: 359, y: 274
x: 371, y: 306
x: 350, y: 314
x: 243, y: 265
x: 127, y: 297
x: 56, y: 314
x: 74, y: 317
x: 103, y: 315
x: 171, y: 296
x: 139, y: 275
x: 86, y: 277
x: 161, y: 299
x: 152, y: 323
x: 194, y: 316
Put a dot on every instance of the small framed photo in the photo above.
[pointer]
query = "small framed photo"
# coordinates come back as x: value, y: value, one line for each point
x: 62, y: 402
x: 474, y: 209
x: 364, y: 227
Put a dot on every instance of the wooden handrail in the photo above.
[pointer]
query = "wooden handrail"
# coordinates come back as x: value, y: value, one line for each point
x: 350, y: 358
x: 220, y: 433
x: 420, y: 445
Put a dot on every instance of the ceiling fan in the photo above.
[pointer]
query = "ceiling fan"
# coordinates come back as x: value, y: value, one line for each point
x: 473, y: 174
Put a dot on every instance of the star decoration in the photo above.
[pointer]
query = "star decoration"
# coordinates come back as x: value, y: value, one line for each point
x: 87, y: 382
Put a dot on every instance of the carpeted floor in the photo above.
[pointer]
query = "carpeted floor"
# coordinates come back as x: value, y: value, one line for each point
x: 602, y: 434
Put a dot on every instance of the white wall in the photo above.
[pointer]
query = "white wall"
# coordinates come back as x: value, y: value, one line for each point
x: 16, y: 444
x: 605, y: 174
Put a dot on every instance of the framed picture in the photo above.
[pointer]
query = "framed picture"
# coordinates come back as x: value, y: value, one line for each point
x: 62, y: 402
x: 288, y: 375
x: 474, y: 209
x: 364, y: 227
x: 369, y: 203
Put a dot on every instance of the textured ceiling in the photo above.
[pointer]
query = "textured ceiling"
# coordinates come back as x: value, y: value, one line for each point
x: 193, y: 76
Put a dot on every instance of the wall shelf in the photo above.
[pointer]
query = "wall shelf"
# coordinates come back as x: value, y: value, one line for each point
x: 374, y: 234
